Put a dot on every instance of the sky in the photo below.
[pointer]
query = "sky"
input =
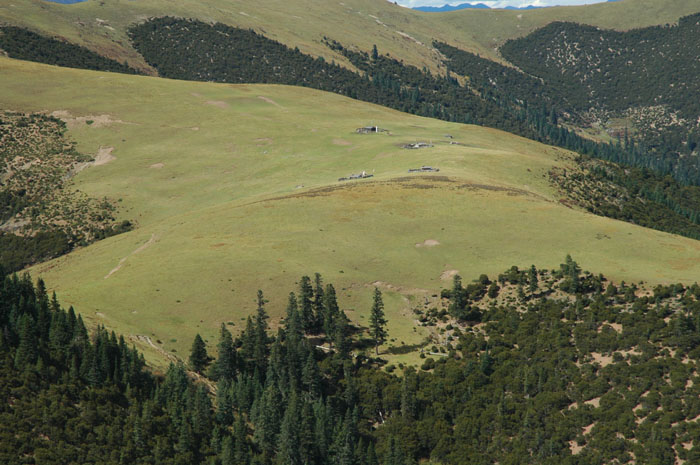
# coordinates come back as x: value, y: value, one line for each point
x: 496, y: 3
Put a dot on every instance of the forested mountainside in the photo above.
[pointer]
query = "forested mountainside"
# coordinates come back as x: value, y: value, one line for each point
x: 635, y: 195
x: 617, y: 70
x: 40, y: 216
x: 647, y: 76
x: 24, y: 44
x: 536, y: 366
x: 193, y: 50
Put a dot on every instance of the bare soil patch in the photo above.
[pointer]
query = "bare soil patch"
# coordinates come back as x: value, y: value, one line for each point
x: 157, y: 166
x: 104, y: 156
x: 448, y: 274
x: 95, y: 121
x: 428, y: 243
x: 603, y: 360
x: 575, y: 448
x: 218, y: 103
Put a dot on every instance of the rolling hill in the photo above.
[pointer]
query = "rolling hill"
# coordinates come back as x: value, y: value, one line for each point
x: 403, y: 33
x: 235, y: 187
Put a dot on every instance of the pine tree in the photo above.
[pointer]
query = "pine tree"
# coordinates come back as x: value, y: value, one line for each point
x: 267, y: 421
x: 292, y: 324
x: 331, y: 310
x: 198, y: 355
x: 240, y: 433
x: 307, y: 451
x: 228, y: 455
x: 458, y: 299
x: 306, y: 294
x: 532, y: 279
x: 341, y: 335
x: 311, y: 376
x: 377, y: 322
x: 408, y: 397
x: 318, y: 303
x: 224, y: 404
x: 225, y: 365
x: 260, y: 348
x: 288, y: 441
x: 27, y: 351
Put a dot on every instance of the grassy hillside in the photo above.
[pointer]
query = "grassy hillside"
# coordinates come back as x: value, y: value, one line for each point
x: 234, y: 187
x: 404, y: 33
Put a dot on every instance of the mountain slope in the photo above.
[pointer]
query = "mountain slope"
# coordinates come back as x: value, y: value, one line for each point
x: 404, y: 33
x: 234, y: 187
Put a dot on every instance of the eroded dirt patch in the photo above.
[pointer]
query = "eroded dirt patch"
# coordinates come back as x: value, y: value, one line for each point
x: 448, y: 274
x: 218, y: 103
x: 428, y: 243
x: 104, y: 156
x: 95, y: 121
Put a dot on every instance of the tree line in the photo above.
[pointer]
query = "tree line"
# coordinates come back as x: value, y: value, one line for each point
x: 23, y: 44
x: 524, y: 381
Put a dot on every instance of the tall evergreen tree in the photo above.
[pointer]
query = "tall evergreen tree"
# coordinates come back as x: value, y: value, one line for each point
x: 318, y: 304
x: 225, y: 365
x: 27, y: 351
x: 377, y: 322
x: 288, y: 441
x: 306, y: 313
x: 198, y: 354
x: 260, y: 351
x: 532, y: 279
x: 292, y: 323
x: 331, y: 310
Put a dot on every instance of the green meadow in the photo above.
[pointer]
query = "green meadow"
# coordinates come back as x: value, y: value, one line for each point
x: 234, y: 188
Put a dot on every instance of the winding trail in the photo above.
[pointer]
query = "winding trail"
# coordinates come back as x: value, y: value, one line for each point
x: 150, y: 242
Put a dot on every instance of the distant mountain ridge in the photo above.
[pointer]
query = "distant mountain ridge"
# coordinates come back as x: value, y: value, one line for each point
x: 444, y: 8
x: 479, y: 6
x: 464, y: 6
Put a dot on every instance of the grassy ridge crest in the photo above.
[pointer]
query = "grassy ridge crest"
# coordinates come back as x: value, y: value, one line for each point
x: 230, y: 183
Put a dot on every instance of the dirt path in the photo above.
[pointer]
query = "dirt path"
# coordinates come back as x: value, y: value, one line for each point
x: 150, y: 242
x: 211, y: 387
x: 270, y: 101
x: 147, y: 340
